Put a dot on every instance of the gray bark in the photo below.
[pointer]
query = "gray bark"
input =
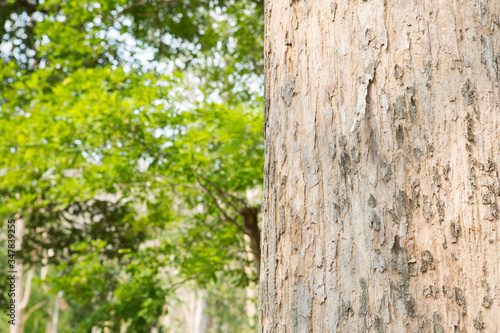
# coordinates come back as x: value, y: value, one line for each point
x: 382, y: 126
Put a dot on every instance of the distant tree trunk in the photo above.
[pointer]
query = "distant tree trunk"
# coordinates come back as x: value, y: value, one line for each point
x: 55, y: 315
x: 201, y: 319
x: 190, y: 314
x: 382, y: 125
x: 23, y: 291
x: 251, y: 221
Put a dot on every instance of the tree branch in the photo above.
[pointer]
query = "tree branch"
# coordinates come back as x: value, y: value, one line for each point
x: 27, y: 289
x: 226, y: 195
x: 33, y: 309
x: 222, y: 211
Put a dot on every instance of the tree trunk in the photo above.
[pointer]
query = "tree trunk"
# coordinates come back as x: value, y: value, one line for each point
x: 23, y: 291
x: 19, y: 322
x: 382, y: 125
x: 201, y: 320
x: 251, y: 221
x: 55, y: 314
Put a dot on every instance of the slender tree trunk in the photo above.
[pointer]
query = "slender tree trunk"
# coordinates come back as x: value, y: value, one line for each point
x: 55, y: 315
x: 23, y: 291
x: 19, y: 326
x: 382, y: 125
x: 251, y: 220
x: 200, y: 317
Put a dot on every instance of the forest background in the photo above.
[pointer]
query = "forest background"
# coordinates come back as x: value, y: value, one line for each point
x: 131, y: 159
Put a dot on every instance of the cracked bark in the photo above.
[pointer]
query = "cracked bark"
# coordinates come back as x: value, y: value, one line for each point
x: 381, y: 187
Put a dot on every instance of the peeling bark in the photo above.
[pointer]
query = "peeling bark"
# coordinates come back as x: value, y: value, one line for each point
x: 381, y: 187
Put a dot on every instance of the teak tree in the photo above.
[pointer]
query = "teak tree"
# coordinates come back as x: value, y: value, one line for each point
x: 382, y: 130
x: 111, y: 137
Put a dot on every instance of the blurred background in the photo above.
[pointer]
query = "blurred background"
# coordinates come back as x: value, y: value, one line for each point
x: 131, y: 151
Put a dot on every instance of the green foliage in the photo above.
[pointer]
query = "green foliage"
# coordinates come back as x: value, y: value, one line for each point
x: 137, y: 293
x: 4, y: 284
x: 127, y: 171
x: 227, y: 304
x: 221, y: 40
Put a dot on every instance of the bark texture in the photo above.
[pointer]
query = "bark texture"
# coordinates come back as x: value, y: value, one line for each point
x: 382, y: 124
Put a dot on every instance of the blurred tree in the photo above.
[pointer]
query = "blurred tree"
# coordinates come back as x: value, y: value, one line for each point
x: 106, y: 146
x: 222, y: 40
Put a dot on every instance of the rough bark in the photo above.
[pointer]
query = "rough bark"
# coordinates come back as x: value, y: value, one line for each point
x: 382, y: 125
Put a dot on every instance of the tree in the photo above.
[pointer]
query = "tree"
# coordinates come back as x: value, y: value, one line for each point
x: 89, y: 119
x: 381, y: 185
x: 223, y: 158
